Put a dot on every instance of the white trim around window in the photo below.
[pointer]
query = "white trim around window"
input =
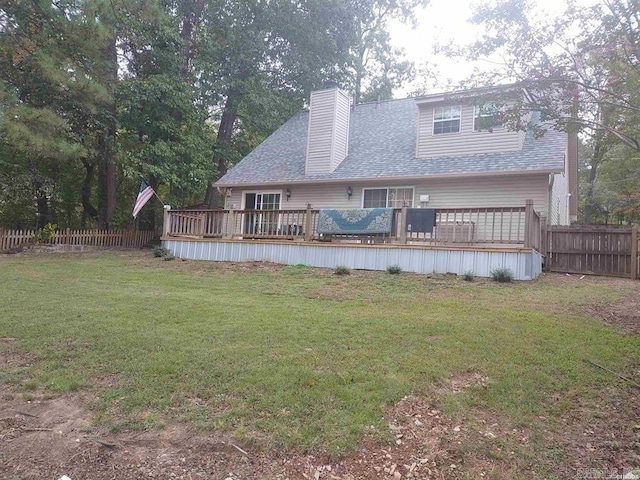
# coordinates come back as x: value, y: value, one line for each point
x: 491, y: 112
x: 395, y: 197
x: 447, y: 119
x: 261, y: 192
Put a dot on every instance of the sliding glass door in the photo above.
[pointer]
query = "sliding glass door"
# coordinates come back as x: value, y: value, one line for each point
x: 264, y: 217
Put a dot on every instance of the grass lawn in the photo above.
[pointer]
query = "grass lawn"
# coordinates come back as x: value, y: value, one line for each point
x: 296, y: 356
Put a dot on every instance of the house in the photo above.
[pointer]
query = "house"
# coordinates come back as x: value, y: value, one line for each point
x: 440, y: 151
x: 448, y: 187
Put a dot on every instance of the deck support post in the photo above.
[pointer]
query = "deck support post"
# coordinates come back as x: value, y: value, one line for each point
x: 166, y: 221
x: 403, y: 225
x: 634, y: 252
x: 308, y: 224
x: 231, y: 225
x: 528, y: 224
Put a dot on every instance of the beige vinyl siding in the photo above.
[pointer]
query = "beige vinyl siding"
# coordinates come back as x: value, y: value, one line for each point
x: 326, y: 195
x: 469, y: 192
x: 341, y: 132
x: 320, y: 136
x: 459, y: 193
x: 328, y: 133
x: 465, y: 142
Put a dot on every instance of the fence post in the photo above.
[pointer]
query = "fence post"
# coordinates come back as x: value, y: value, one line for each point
x: 543, y: 239
x: 634, y: 252
x: 166, y: 221
x: 403, y: 224
x: 528, y: 223
x: 308, y: 224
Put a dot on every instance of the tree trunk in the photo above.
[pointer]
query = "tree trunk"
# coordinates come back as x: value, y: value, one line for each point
x: 190, y: 20
x: 223, y: 142
x: 42, y: 204
x: 87, y: 208
x: 107, y: 145
x: 591, y: 204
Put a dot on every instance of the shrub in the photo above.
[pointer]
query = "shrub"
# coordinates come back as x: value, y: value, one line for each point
x: 502, y: 275
x: 394, y: 269
x: 342, y: 270
x: 160, y: 252
x: 45, y: 234
x: 467, y: 276
x: 168, y: 257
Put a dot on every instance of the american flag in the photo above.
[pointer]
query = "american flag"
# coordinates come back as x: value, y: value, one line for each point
x: 145, y: 193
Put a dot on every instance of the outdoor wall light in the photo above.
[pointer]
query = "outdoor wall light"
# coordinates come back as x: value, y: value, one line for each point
x: 349, y: 192
x: 287, y: 193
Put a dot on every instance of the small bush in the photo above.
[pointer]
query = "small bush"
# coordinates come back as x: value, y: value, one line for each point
x: 502, y: 275
x: 468, y: 276
x: 342, y: 270
x: 169, y: 257
x: 160, y: 252
x: 394, y: 269
x: 46, y: 234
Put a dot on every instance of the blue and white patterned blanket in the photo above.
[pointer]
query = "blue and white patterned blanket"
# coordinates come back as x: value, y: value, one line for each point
x: 357, y: 221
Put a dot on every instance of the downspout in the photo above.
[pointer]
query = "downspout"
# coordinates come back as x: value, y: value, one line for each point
x: 552, y: 179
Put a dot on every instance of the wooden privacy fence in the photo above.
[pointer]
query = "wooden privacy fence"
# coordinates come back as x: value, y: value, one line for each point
x: 593, y: 249
x: 96, y: 238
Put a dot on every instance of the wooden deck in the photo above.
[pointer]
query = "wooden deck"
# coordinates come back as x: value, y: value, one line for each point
x: 504, y: 227
x: 477, y: 240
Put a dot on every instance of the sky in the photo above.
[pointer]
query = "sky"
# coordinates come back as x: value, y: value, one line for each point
x: 445, y: 20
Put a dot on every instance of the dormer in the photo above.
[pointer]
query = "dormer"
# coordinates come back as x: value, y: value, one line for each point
x: 463, y: 124
x: 328, y: 131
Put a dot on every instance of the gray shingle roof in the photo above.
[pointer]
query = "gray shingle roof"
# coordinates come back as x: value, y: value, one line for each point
x: 382, y: 143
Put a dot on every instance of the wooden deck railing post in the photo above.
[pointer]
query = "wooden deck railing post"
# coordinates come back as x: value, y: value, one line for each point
x: 201, y: 225
x: 634, y: 252
x: 166, y: 221
x: 528, y: 224
x: 230, y: 231
x: 308, y: 224
x: 403, y: 225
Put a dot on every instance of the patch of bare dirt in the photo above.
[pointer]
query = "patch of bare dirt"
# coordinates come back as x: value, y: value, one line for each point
x: 50, y: 438
x: 623, y: 314
x: 602, y: 434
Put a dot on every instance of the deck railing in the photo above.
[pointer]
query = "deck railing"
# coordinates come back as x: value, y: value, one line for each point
x: 457, y: 226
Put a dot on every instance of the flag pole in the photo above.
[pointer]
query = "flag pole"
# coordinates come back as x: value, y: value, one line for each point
x: 154, y: 190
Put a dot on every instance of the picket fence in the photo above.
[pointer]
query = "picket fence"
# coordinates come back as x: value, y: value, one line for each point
x: 10, y: 239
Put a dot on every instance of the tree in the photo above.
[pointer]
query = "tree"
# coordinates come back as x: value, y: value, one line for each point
x: 47, y: 85
x: 377, y: 68
x: 581, y: 69
x: 267, y: 50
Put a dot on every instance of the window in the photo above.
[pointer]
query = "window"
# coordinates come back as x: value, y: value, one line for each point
x: 265, y: 222
x: 395, y: 197
x: 262, y: 201
x: 446, y: 120
x: 487, y: 117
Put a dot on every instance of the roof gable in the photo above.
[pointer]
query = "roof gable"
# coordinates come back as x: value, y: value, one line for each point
x: 382, y: 144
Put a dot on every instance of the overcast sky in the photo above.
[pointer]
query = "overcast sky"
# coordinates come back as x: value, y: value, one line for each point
x: 445, y: 20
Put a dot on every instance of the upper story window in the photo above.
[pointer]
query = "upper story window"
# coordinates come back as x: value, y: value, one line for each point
x: 446, y: 120
x: 487, y: 117
x: 395, y: 197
